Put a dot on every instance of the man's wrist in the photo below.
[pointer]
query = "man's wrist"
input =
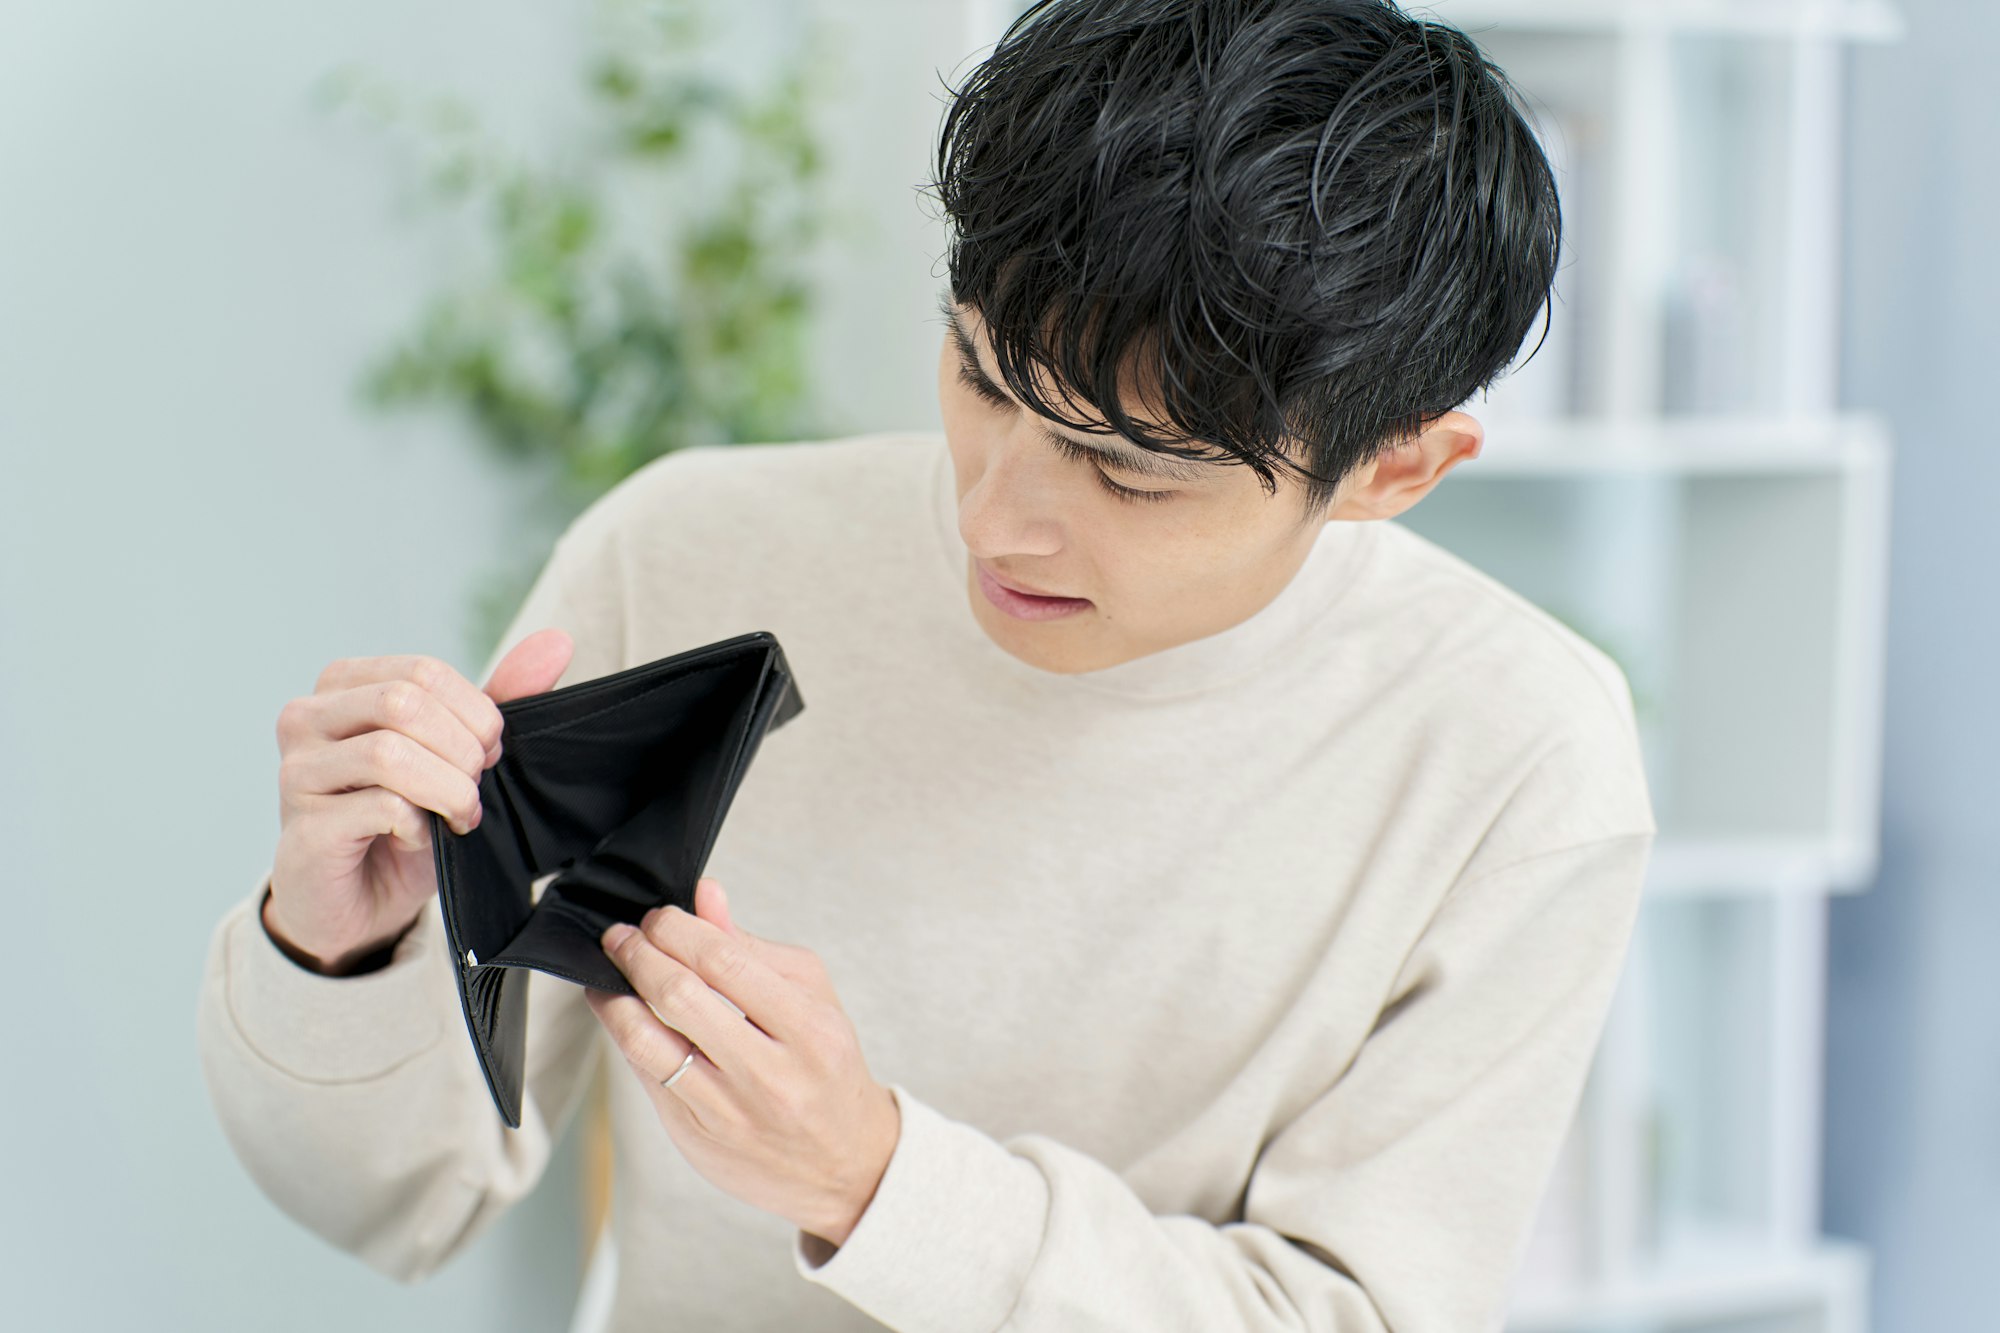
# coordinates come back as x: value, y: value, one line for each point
x: 875, y: 1159
x: 354, y: 964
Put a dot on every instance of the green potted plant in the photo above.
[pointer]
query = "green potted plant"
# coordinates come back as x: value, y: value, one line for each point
x: 585, y: 343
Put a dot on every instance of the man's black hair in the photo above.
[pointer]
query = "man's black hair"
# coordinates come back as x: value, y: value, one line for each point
x: 1316, y: 224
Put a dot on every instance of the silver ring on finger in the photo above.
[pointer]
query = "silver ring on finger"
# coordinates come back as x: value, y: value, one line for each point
x: 686, y: 1063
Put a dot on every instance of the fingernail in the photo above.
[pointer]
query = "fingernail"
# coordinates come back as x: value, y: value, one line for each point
x: 618, y: 933
x: 647, y: 920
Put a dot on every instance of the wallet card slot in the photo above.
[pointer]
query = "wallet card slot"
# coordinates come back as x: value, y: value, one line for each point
x: 483, y: 983
x: 560, y: 940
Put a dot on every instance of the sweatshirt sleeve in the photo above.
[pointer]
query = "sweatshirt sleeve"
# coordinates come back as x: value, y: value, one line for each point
x: 1400, y: 1199
x: 356, y: 1103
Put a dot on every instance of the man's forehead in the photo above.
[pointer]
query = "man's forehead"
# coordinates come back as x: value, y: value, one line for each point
x: 1116, y: 451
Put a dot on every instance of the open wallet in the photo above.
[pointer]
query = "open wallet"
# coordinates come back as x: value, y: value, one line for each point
x: 618, y: 787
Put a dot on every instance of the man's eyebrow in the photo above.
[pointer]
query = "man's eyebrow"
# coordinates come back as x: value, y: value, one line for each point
x: 1134, y: 461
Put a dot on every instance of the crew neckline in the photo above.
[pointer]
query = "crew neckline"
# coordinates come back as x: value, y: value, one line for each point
x: 1242, y: 650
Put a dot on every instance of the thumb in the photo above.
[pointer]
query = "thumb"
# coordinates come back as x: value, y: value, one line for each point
x: 799, y: 966
x: 532, y: 666
x: 712, y: 904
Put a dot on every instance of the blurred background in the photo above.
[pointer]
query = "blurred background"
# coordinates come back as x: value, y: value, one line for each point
x: 318, y: 322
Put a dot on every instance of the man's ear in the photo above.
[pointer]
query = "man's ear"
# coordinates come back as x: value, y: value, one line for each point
x: 1393, y: 481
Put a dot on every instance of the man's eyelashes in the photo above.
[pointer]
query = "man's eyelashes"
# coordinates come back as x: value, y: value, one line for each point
x: 1071, y: 449
x: 992, y: 394
x: 982, y: 386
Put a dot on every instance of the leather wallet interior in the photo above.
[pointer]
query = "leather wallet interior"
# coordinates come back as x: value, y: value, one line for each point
x: 618, y: 786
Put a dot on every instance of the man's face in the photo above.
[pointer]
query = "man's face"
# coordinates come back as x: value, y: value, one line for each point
x: 1186, y: 557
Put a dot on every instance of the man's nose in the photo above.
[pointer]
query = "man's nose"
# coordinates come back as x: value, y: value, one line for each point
x: 1014, y: 506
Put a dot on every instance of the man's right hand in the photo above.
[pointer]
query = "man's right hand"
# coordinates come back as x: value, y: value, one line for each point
x: 378, y: 743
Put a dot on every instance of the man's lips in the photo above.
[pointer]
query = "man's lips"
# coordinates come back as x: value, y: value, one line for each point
x: 1027, y: 591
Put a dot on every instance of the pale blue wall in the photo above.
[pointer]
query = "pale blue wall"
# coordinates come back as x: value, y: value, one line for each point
x: 193, y: 520
x: 1913, y: 1046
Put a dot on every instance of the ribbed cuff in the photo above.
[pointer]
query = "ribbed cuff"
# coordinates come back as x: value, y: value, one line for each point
x: 946, y: 1244
x: 329, y: 1029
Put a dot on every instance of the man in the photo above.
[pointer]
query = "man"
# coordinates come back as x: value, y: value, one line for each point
x: 1226, y: 886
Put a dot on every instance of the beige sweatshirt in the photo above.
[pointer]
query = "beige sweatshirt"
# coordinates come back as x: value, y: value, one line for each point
x: 1250, y: 985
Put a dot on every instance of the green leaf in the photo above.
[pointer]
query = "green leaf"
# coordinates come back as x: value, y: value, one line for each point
x: 585, y: 333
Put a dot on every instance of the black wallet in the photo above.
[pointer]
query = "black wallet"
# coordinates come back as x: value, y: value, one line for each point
x: 619, y: 786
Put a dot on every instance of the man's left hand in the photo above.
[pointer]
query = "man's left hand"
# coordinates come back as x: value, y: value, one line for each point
x: 778, y: 1108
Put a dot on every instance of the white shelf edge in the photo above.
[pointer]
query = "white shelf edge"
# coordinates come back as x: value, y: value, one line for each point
x: 1698, y: 867
x: 1722, y: 1290
x: 1841, y: 20
x: 1834, y: 442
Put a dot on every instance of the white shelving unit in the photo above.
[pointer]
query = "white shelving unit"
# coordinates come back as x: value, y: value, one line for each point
x: 1670, y: 474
